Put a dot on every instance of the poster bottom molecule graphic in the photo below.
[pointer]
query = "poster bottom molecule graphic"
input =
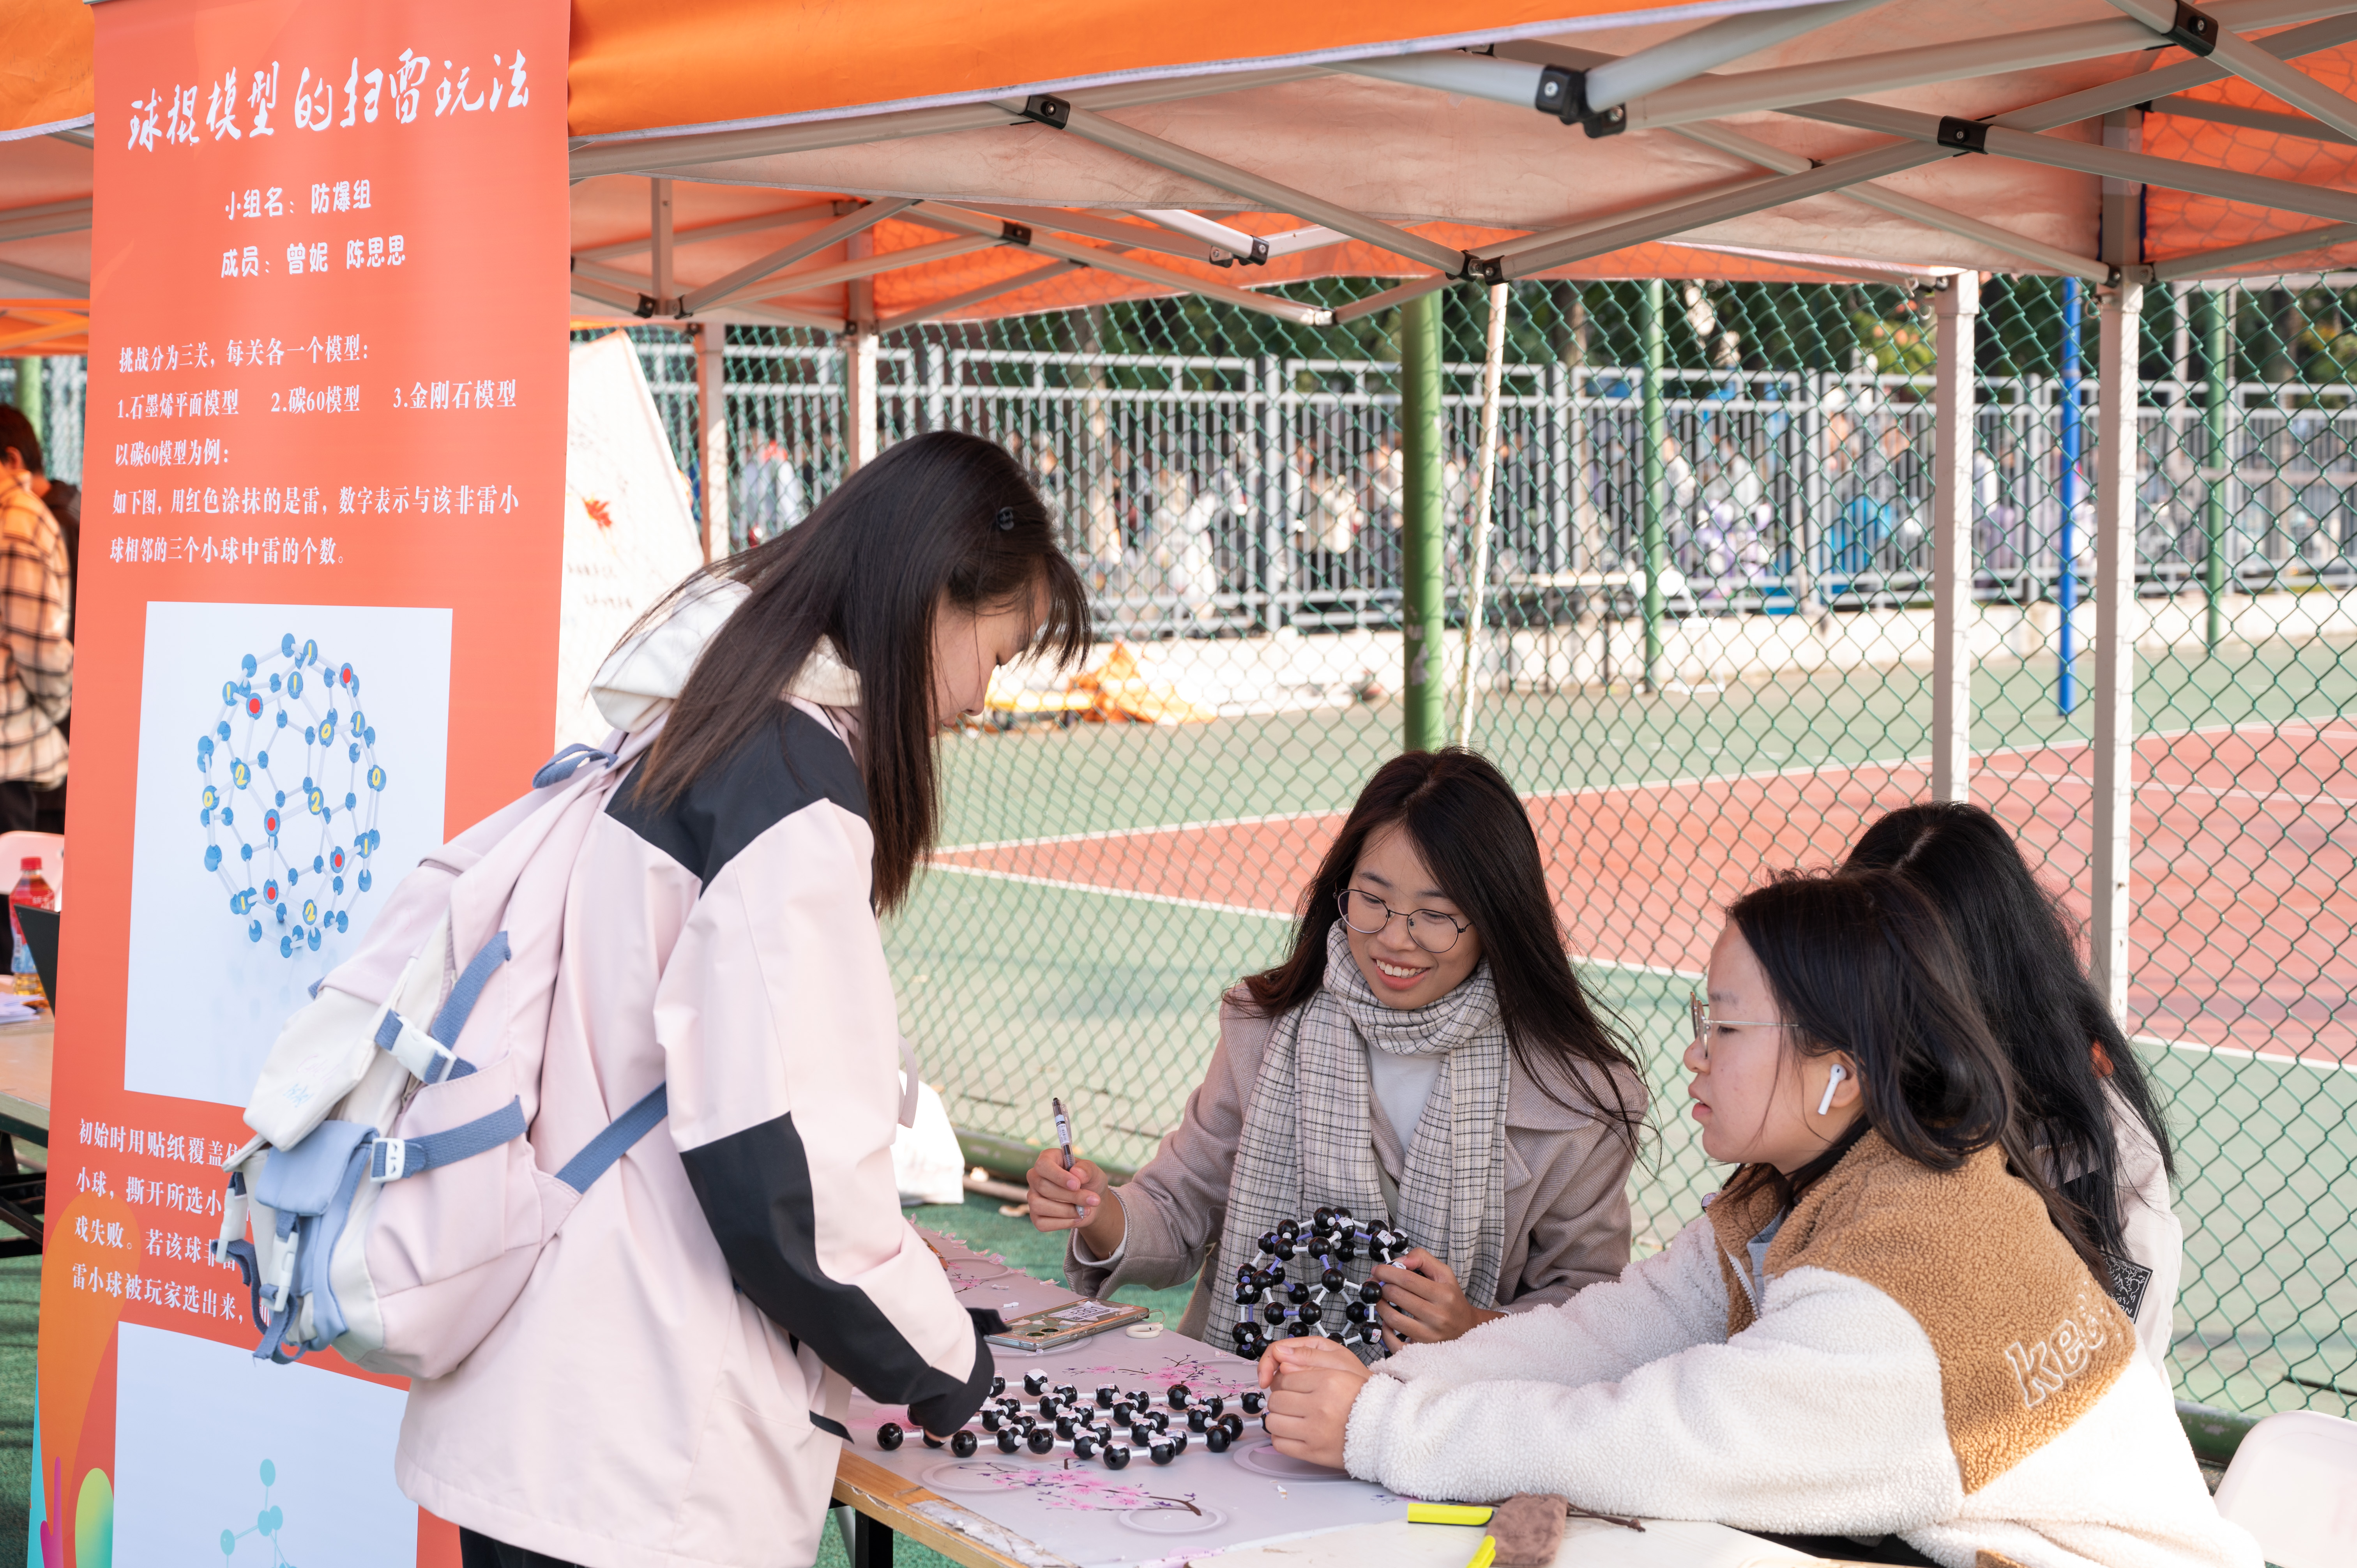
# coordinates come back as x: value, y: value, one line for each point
x: 223, y: 1459
x: 291, y: 761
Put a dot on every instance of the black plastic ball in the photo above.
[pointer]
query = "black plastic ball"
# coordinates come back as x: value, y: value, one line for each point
x: 1357, y: 1312
x: 889, y: 1437
x: 1333, y: 1279
x: 1288, y: 1229
x: 1214, y: 1405
x: 1034, y: 1383
x: 1233, y: 1424
x: 1117, y: 1457
x: 1064, y: 1427
x: 1178, y: 1396
x: 1299, y: 1330
x: 963, y: 1443
x: 1083, y: 1446
x: 1007, y: 1442
x: 1163, y: 1453
x: 1296, y: 1292
x: 997, y: 1387
x: 1253, y: 1401
x: 1217, y: 1440
x: 1269, y: 1242
x: 1040, y: 1441
x: 1313, y: 1313
x: 1199, y: 1420
x: 1373, y: 1291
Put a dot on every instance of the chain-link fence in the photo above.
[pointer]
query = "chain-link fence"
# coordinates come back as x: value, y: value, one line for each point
x: 1235, y: 488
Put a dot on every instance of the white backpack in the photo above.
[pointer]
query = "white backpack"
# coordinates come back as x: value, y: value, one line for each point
x: 396, y: 1203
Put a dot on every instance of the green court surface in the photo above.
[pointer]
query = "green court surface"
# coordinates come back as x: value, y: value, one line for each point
x: 1016, y: 987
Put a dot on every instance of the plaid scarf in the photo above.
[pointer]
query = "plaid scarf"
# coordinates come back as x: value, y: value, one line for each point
x: 1307, y: 1139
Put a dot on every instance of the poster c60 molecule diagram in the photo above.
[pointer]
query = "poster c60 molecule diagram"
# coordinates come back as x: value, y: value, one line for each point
x: 289, y: 803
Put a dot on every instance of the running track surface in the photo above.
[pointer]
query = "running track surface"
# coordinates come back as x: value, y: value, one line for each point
x: 2245, y: 890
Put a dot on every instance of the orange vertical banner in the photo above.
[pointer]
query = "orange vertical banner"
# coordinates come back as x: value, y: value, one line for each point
x: 317, y: 635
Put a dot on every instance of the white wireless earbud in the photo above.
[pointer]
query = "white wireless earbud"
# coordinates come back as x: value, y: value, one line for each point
x: 1832, y: 1081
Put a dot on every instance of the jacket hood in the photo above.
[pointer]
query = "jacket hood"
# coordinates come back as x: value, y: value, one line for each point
x: 652, y: 668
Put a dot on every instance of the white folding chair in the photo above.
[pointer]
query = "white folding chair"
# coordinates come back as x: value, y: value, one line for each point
x: 2293, y: 1484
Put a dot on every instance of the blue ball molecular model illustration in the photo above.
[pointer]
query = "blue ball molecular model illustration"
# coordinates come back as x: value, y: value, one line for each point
x: 267, y: 1521
x: 289, y: 802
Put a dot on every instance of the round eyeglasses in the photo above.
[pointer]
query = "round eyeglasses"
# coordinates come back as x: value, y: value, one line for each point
x: 1430, y: 930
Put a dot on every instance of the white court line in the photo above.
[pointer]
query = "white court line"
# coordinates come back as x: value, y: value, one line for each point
x: 2212, y: 790
x: 1137, y: 893
x: 1799, y: 770
x: 1589, y: 960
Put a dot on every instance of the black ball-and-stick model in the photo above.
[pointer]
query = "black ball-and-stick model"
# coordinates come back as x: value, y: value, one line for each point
x: 1110, y: 1428
x: 1299, y: 1308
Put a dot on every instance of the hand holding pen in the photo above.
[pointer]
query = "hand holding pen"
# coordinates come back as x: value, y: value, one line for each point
x: 1072, y: 1194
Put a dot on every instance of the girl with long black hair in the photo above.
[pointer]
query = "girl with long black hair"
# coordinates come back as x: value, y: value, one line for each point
x: 671, y: 1385
x: 1425, y: 1054
x: 2087, y: 1112
x: 1879, y: 1341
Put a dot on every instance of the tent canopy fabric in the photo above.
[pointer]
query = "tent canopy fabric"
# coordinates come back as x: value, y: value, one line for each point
x: 792, y: 156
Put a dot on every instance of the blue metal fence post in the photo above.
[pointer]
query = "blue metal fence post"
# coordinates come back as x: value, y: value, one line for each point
x: 2066, y: 587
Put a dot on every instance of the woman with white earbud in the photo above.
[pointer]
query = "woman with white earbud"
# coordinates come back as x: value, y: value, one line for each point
x: 1886, y: 1339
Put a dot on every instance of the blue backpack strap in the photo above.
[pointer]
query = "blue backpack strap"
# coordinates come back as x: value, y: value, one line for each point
x: 617, y: 1140
x: 561, y: 767
x: 434, y: 1058
x: 390, y: 1159
x: 451, y: 1017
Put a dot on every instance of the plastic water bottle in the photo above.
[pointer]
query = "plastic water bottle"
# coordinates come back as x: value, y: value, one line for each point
x: 34, y: 889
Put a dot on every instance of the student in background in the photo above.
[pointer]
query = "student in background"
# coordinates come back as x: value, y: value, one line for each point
x: 1425, y: 1054
x: 1877, y: 1342
x: 36, y: 635
x: 2084, y: 1105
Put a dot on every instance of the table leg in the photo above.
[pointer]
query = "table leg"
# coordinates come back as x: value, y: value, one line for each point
x: 871, y: 1543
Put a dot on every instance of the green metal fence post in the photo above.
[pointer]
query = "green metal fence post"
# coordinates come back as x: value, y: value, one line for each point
x: 1423, y: 614
x: 28, y: 394
x: 1656, y: 499
x: 2218, y: 369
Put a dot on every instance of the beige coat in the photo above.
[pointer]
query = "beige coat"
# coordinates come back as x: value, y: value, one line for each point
x: 1567, y: 1199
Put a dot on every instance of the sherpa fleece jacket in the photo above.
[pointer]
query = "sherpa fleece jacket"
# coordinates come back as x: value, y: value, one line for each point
x: 1927, y: 1357
x: 668, y: 1392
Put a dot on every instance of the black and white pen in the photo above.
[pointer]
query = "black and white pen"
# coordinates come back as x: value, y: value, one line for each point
x: 1063, y: 1132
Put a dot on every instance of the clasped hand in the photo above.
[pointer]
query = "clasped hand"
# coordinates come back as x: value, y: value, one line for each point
x: 1422, y: 1302
x: 1312, y: 1383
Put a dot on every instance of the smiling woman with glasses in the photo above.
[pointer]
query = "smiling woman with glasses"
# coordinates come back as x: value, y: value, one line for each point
x: 1423, y: 1056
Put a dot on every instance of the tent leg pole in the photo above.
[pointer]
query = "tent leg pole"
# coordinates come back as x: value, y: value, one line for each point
x: 2114, y: 727
x: 1656, y: 498
x: 859, y: 400
x: 1423, y: 616
x: 712, y: 415
x: 1952, y: 545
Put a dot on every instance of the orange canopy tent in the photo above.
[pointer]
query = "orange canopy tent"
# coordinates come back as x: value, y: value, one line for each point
x: 906, y: 160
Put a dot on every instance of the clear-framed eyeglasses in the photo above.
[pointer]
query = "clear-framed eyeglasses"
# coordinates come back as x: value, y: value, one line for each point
x: 1698, y: 1008
x: 1430, y: 930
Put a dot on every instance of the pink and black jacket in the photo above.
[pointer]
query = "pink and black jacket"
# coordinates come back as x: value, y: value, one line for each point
x: 670, y: 1387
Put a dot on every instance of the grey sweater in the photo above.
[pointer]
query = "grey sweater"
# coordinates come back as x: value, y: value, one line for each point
x: 1566, y: 1190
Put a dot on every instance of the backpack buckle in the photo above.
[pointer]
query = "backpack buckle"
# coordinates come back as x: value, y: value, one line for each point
x: 388, y: 1159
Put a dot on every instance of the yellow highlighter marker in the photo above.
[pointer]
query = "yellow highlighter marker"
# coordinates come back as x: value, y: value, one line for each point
x: 1486, y: 1554
x: 1447, y: 1513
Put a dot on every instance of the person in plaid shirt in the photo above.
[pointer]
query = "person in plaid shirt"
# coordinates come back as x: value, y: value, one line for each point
x: 36, y: 648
